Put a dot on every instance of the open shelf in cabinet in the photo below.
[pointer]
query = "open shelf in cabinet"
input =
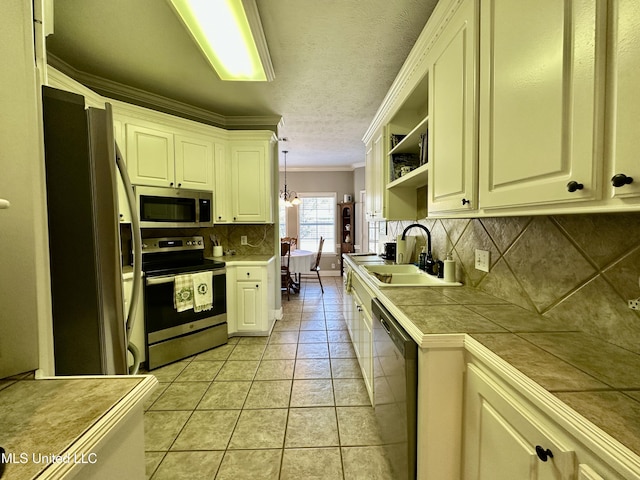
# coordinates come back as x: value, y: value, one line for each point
x: 415, y: 179
x: 411, y: 142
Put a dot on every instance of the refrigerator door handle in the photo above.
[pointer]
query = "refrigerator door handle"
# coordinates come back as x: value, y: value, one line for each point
x: 137, y: 253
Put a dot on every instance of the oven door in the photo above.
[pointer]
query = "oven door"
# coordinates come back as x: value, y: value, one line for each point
x: 172, y: 335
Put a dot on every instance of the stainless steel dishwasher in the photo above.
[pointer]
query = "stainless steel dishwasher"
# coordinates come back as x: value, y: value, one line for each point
x: 395, y: 377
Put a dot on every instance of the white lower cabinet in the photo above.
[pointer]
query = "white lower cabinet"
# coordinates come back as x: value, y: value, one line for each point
x: 358, y: 317
x: 514, y: 433
x: 248, y: 299
x: 504, y: 441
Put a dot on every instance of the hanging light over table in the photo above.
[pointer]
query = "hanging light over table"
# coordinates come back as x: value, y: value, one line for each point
x: 289, y: 197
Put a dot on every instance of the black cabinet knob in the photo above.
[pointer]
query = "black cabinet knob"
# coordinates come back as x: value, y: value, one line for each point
x: 620, y: 180
x: 572, y: 186
x: 179, y: 185
x: 466, y: 202
x: 171, y: 184
x: 543, y: 454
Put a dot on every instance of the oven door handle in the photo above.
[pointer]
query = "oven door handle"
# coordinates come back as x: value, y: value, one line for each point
x: 171, y: 278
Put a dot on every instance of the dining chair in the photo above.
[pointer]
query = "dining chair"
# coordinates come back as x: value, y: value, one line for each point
x: 286, y: 282
x: 293, y: 241
x: 316, y: 265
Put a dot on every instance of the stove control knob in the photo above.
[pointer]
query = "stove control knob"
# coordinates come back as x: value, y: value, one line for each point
x: 188, y: 242
x: 144, y: 245
x: 199, y: 242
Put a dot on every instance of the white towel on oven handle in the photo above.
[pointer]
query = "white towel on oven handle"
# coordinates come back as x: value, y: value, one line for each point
x: 202, y: 291
x: 183, y: 293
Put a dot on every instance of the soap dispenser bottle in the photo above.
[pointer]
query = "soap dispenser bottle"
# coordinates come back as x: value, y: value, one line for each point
x: 449, y: 268
x: 422, y: 263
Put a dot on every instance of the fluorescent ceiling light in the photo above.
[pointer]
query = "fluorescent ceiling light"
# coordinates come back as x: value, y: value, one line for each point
x: 230, y: 35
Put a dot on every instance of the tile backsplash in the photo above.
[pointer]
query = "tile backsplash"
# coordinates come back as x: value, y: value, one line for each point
x: 579, y: 269
x: 260, y: 238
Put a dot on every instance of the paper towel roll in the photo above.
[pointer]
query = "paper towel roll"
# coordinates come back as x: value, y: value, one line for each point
x: 404, y: 249
x: 401, y: 247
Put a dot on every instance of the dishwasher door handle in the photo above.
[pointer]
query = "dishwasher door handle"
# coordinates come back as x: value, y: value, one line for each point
x: 385, y: 325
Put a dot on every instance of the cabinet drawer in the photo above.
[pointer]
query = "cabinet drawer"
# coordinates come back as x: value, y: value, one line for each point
x: 248, y: 273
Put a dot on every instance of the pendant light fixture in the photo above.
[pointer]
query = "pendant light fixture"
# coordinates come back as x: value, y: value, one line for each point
x: 289, y: 197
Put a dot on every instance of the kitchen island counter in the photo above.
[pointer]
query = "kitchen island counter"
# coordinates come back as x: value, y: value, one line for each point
x: 53, y: 428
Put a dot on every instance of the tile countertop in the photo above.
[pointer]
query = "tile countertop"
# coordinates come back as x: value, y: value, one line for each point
x: 597, y: 379
x: 232, y: 260
x: 46, y: 417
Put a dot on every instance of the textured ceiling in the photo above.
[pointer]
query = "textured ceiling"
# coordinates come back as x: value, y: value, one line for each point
x: 334, y: 61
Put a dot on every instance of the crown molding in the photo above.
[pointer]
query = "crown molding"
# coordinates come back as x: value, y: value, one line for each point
x: 142, y: 98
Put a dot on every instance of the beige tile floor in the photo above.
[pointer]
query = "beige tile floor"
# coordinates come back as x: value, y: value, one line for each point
x: 289, y: 406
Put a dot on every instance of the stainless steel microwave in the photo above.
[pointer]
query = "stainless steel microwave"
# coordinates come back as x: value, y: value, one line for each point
x: 163, y: 207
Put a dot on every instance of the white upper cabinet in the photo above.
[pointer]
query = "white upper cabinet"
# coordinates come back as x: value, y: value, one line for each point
x: 168, y: 158
x: 243, y: 179
x: 623, y: 135
x: 250, y: 177
x: 374, y: 177
x: 124, y: 213
x: 222, y: 176
x: 194, y: 162
x: 452, y: 113
x: 150, y: 156
x: 541, y: 99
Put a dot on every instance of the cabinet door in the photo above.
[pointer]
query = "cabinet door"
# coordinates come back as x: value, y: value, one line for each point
x: 249, y: 306
x: 540, y: 103
x: 368, y: 182
x: 501, y: 436
x: 378, y: 178
x: 123, y: 206
x: 366, y: 351
x: 221, y: 192
x: 624, y: 104
x: 452, y: 114
x: 194, y: 163
x: 249, y: 178
x: 150, y: 156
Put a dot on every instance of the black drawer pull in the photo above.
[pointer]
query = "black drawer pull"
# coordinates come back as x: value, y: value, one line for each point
x: 620, y: 180
x: 573, y: 186
x: 543, y: 454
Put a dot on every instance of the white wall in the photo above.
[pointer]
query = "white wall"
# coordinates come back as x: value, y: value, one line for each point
x: 24, y: 301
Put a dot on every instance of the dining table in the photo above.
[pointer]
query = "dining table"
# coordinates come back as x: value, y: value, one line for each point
x: 299, y: 262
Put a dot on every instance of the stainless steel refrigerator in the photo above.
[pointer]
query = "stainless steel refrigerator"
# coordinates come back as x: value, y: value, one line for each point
x: 84, y: 237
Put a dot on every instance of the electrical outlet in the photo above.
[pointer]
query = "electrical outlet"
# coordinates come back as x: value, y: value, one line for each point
x: 243, y: 240
x: 333, y: 265
x: 483, y: 259
x: 634, y: 304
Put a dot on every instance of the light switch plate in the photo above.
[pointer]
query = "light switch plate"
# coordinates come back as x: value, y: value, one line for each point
x: 483, y: 259
x: 243, y: 240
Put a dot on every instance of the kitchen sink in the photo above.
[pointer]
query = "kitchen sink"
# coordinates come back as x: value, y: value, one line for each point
x: 392, y: 269
x: 404, y: 276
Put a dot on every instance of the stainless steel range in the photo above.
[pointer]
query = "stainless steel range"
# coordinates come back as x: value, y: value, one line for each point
x: 173, y: 335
